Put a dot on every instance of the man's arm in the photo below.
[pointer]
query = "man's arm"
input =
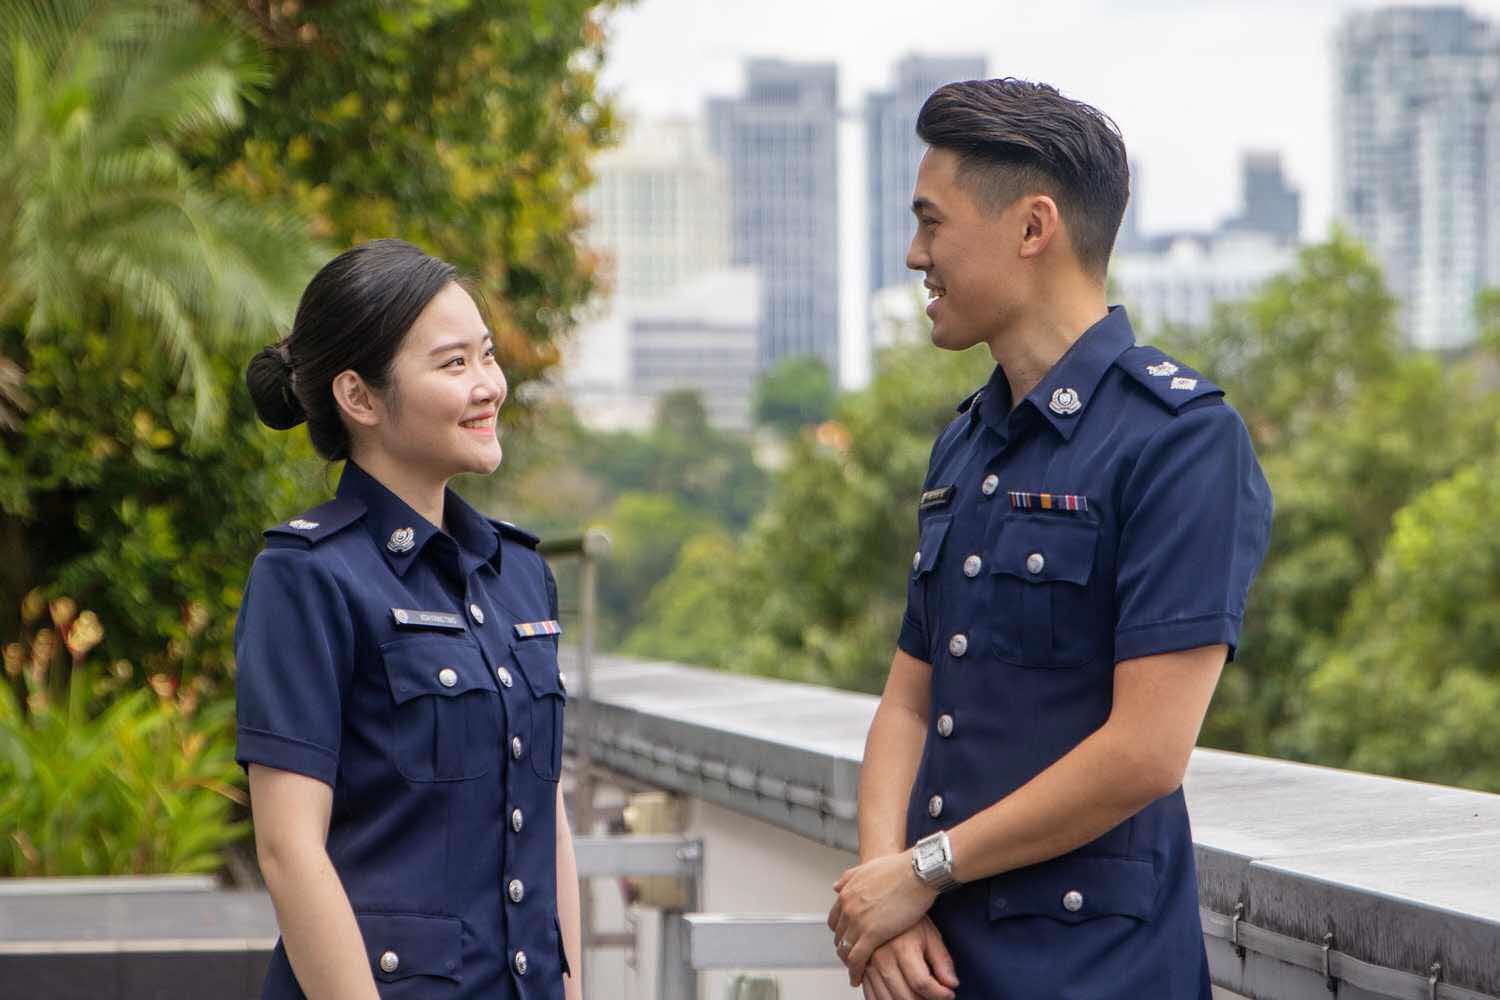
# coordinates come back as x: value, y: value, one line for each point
x: 914, y: 963
x: 893, y: 750
x: 1139, y: 755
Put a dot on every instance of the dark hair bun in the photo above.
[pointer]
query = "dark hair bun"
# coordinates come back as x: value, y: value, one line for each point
x: 269, y: 379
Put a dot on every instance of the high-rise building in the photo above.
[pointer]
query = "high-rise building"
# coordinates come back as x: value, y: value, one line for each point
x: 659, y: 215
x: 1417, y: 148
x: 893, y: 152
x: 1176, y: 279
x: 1268, y: 203
x: 779, y: 141
x: 658, y: 209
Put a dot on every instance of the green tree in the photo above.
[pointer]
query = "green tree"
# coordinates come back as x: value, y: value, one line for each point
x: 1412, y: 687
x: 464, y: 126
x: 1348, y: 428
x: 102, y: 222
x: 795, y: 392
x: 646, y: 531
x: 817, y: 584
x: 130, y: 290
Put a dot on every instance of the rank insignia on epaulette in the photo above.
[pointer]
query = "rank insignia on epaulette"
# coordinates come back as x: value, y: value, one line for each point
x: 526, y: 630
x: 1186, y: 384
x: 936, y: 498
x: 1162, y: 370
x: 1048, y: 501
x: 302, y: 524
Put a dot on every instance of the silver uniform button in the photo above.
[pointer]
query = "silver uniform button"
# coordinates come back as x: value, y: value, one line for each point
x: 958, y: 645
x: 515, y: 747
x: 1035, y: 563
x: 916, y: 560
x: 516, y: 820
x: 447, y: 677
x: 935, y: 806
x: 477, y: 613
x: 517, y: 890
x: 945, y: 725
x: 972, y: 566
x: 990, y: 485
x: 390, y: 962
x: 1072, y: 901
x: 520, y: 963
x: 505, y: 678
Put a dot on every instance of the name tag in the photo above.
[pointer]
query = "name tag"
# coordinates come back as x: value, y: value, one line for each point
x: 936, y: 498
x: 526, y: 630
x: 411, y: 618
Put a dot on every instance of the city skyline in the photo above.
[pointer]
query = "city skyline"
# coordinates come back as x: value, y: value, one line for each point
x: 1182, y: 81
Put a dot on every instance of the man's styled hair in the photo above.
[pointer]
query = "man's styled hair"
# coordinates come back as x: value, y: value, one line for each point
x: 1014, y: 138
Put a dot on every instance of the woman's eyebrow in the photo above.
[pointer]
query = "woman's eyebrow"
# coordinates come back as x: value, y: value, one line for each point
x: 458, y: 345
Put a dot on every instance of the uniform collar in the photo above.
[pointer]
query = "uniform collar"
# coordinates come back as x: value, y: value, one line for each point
x: 1070, y: 384
x: 402, y: 533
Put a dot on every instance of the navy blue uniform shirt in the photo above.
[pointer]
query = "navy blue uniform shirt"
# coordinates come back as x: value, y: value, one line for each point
x: 1117, y: 512
x: 415, y: 672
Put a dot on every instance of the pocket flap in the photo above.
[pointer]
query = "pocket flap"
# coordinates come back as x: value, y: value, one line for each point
x: 425, y: 664
x: 538, y: 662
x: 934, y: 530
x: 1042, y: 548
x: 1073, y: 889
x: 412, y: 944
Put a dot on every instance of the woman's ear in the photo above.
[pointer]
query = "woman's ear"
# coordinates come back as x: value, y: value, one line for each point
x: 356, y: 400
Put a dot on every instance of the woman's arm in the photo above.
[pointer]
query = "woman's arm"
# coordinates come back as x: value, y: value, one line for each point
x: 567, y: 902
x: 318, y: 928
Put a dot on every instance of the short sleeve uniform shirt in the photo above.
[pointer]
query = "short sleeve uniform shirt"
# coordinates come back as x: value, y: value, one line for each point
x: 1117, y: 512
x: 415, y: 672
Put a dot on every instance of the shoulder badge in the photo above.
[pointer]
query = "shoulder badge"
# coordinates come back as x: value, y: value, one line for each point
x: 516, y: 534
x: 1171, y: 382
x: 319, y: 523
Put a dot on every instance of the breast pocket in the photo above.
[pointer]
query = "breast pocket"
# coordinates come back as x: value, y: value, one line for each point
x: 929, y: 545
x: 537, y: 660
x: 445, y: 709
x: 1041, y: 565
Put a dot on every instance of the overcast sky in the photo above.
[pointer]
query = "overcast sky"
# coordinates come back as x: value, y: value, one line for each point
x: 1191, y: 84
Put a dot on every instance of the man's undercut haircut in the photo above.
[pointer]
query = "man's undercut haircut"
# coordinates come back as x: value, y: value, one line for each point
x: 1015, y: 138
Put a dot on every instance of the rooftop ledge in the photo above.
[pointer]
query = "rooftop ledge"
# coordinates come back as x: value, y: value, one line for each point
x: 1404, y: 876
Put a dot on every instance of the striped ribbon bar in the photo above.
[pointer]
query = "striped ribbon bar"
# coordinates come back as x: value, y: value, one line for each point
x: 528, y: 629
x: 1047, y: 501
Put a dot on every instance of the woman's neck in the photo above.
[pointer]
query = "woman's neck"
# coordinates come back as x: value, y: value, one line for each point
x: 420, y: 493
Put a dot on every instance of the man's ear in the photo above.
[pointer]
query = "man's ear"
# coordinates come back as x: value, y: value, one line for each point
x: 1041, y: 223
x: 356, y: 399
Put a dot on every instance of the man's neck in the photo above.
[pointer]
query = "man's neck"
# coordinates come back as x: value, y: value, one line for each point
x: 1028, y: 349
x: 421, y: 494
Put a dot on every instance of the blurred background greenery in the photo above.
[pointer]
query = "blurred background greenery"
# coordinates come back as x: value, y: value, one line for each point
x: 172, y: 173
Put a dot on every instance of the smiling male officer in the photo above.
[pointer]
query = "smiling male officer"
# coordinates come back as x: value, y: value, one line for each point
x: 1088, y: 532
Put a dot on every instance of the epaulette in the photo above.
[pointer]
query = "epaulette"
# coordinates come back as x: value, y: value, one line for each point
x: 1169, y: 380
x: 516, y: 534
x: 321, y: 522
x: 969, y: 400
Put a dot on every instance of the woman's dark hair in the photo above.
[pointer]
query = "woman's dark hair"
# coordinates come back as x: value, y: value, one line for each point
x: 353, y: 315
x: 1014, y: 137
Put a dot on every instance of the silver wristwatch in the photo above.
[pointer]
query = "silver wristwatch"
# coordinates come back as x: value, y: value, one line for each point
x: 932, y: 860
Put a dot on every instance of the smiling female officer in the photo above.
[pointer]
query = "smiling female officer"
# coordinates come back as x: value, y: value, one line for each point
x: 400, y: 706
x: 1088, y: 532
